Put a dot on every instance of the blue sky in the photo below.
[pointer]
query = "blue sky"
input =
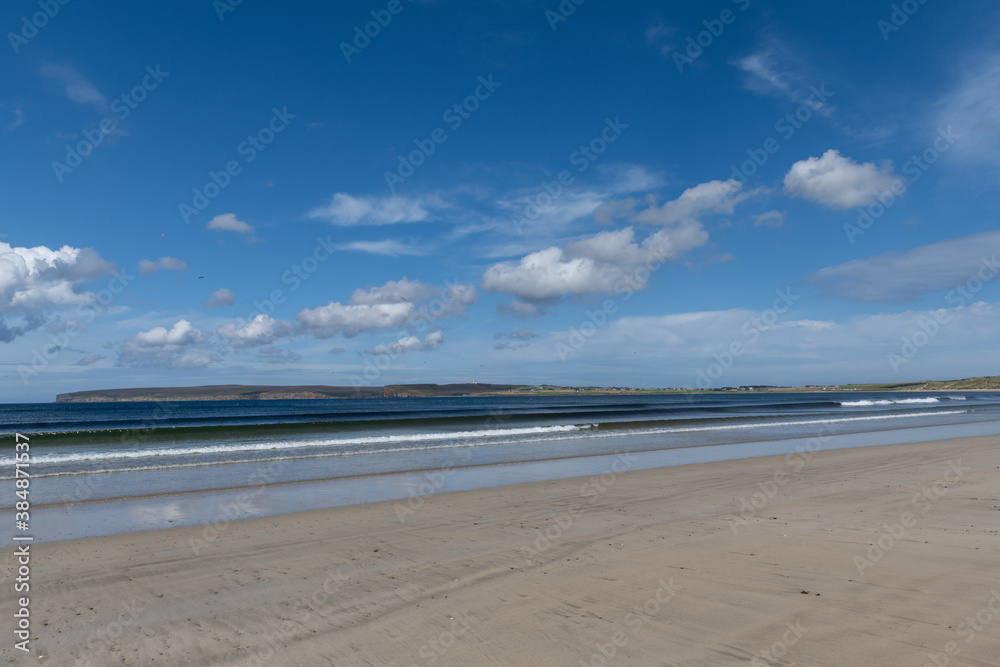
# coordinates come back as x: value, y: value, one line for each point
x: 644, y: 194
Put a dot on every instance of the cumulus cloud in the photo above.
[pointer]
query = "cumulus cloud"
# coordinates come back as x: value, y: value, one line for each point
x: 839, y: 182
x: 390, y: 306
x: 221, y: 297
x: 35, y: 281
x: 181, y: 346
x: 598, y: 265
x: 262, y: 330
x: 147, y: 267
x: 347, y: 211
x: 229, y: 222
x: 898, y: 277
x: 431, y: 341
x: 350, y: 320
x: 394, y: 292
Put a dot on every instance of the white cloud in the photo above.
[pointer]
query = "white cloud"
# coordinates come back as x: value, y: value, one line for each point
x: 689, y: 207
x: 791, y: 349
x: 390, y: 306
x: 394, y: 292
x: 346, y: 211
x: 600, y: 264
x: 350, y: 320
x: 896, y: 277
x: 34, y: 281
x: 229, y: 222
x: 76, y: 87
x: 839, y: 182
x: 431, y: 341
x: 221, y: 297
x: 535, y: 211
x: 973, y: 108
x: 147, y: 267
x: 772, y: 219
x: 181, y: 346
x: 603, y: 263
x: 776, y: 70
x: 262, y: 330
x: 388, y: 247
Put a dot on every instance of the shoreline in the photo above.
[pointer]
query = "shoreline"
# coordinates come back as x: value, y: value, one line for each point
x: 663, y: 564
x: 108, y: 516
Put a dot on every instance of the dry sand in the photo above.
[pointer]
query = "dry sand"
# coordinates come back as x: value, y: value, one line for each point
x: 642, y: 568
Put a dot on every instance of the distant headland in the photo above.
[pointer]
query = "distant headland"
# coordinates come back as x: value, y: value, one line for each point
x: 238, y: 392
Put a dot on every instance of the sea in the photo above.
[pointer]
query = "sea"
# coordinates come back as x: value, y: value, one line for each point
x: 106, y: 468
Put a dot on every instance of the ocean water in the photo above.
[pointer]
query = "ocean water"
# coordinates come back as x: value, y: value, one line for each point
x: 102, y: 453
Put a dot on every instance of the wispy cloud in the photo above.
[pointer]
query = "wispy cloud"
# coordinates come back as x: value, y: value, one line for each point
x: 345, y: 210
x: 75, y: 86
x: 147, y: 267
x: 776, y: 69
x: 973, y: 108
x: 900, y: 277
x: 388, y: 248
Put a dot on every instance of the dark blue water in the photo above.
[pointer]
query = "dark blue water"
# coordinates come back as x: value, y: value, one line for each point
x: 97, y: 451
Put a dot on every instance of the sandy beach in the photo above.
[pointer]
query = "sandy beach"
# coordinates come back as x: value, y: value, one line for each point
x: 874, y: 556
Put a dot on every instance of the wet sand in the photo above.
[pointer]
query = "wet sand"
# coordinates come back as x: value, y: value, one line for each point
x: 882, y: 555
